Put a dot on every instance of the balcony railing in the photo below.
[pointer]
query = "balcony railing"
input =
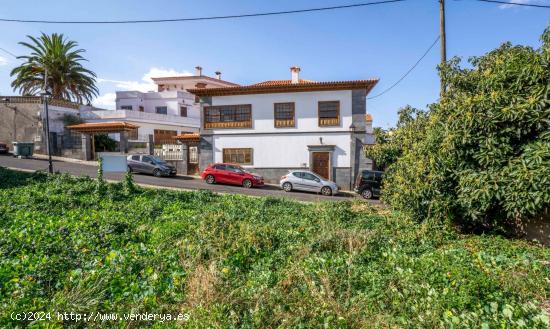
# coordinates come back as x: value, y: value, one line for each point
x: 228, y: 124
x: 324, y: 122
x: 279, y: 123
x: 141, y: 116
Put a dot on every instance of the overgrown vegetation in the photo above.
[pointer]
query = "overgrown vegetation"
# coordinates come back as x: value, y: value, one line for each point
x: 240, y: 262
x: 481, y: 155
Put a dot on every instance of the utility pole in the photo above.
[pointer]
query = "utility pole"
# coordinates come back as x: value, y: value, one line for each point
x: 442, y: 40
x: 45, y: 96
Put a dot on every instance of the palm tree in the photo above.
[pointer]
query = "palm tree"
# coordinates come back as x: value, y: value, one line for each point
x: 54, y: 58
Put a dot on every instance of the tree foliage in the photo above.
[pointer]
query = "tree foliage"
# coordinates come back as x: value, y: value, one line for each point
x: 484, y: 157
x: 66, y: 76
x: 390, y: 143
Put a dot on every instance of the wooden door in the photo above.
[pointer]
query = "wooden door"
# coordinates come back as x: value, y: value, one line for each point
x: 321, y: 164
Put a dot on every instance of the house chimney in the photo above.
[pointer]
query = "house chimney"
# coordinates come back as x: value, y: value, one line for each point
x: 295, y: 74
x: 198, y: 71
x: 218, y: 75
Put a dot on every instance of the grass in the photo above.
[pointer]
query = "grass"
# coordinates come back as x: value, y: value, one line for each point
x: 69, y: 244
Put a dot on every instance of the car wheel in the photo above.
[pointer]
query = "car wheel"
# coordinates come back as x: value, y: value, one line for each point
x: 210, y: 179
x: 326, y: 190
x: 287, y: 187
x: 129, y: 169
x: 156, y: 173
x: 366, y: 194
x: 247, y: 183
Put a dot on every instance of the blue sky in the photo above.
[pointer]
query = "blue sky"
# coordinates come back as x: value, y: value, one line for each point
x: 360, y: 43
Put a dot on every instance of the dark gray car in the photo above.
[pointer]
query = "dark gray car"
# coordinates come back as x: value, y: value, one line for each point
x: 148, y: 164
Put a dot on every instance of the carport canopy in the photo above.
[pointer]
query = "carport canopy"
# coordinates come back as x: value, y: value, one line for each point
x: 103, y: 127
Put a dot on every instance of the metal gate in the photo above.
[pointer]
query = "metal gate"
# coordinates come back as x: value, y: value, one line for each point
x: 170, y: 152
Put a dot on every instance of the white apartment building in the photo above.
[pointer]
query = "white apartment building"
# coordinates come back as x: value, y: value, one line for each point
x: 164, y: 113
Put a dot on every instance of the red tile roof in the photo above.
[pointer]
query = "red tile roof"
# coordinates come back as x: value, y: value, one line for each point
x: 282, y: 86
x: 103, y: 127
x: 280, y: 82
x: 191, y: 77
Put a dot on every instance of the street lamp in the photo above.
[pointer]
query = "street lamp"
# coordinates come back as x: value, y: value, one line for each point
x: 6, y: 101
x: 46, y: 95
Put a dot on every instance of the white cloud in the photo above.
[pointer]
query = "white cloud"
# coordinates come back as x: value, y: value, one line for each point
x: 146, y: 84
x: 105, y: 101
x: 508, y: 6
x: 3, y: 61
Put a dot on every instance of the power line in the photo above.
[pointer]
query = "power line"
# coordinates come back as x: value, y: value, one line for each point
x: 203, y: 18
x: 409, y: 71
x: 8, y: 52
x: 516, y: 3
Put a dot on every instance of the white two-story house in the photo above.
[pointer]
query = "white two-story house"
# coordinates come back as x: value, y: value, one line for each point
x: 279, y: 125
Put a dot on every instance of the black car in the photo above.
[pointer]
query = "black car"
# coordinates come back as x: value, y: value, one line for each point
x: 3, y: 148
x: 368, y: 183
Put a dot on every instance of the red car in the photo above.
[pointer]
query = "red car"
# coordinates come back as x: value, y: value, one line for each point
x: 229, y: 173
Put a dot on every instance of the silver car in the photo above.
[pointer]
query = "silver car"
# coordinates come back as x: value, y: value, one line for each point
x: 305, y: 180
x: 148, y: 164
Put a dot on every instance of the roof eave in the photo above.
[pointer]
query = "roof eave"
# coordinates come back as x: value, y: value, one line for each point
x: 305, y: 87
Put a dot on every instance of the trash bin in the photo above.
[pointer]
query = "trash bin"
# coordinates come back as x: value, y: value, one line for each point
x: 22, y: 149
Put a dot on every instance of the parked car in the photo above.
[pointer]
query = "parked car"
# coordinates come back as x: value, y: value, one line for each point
x: 304, y: 180
x: 149, y: 164
x: 229, y: 173
x: 368, y: 183
x: 4, y: 148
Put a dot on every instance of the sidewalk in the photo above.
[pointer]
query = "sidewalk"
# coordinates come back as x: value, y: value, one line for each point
x: 63, y: 159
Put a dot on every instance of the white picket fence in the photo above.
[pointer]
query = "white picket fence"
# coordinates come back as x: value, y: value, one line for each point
x: 170, y: 152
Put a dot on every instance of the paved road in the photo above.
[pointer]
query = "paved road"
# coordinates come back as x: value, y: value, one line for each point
x: 183, y: 182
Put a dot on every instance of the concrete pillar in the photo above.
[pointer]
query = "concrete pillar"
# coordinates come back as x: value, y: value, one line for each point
x: 150, y: 145
x: 123, y: 144
x: 86, y: 147
x: 184, y: 157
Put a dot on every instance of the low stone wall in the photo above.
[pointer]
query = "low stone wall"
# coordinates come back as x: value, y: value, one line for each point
x: 272, y: 175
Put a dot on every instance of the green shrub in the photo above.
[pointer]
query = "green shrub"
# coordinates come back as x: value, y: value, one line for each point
x: 483, y: 157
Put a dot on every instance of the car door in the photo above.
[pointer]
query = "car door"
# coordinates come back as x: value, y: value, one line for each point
x: 220, y: 173
x: 311, y: 182
x: 297, y: 181
x: 234, y: 175
x: 147, y: 164
x: 134, y: 163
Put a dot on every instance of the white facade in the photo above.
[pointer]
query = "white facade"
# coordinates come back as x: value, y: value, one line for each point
x: 286, y: 147
x: 305, y: 107
x: 284, y: 150
x: 150, y: 101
